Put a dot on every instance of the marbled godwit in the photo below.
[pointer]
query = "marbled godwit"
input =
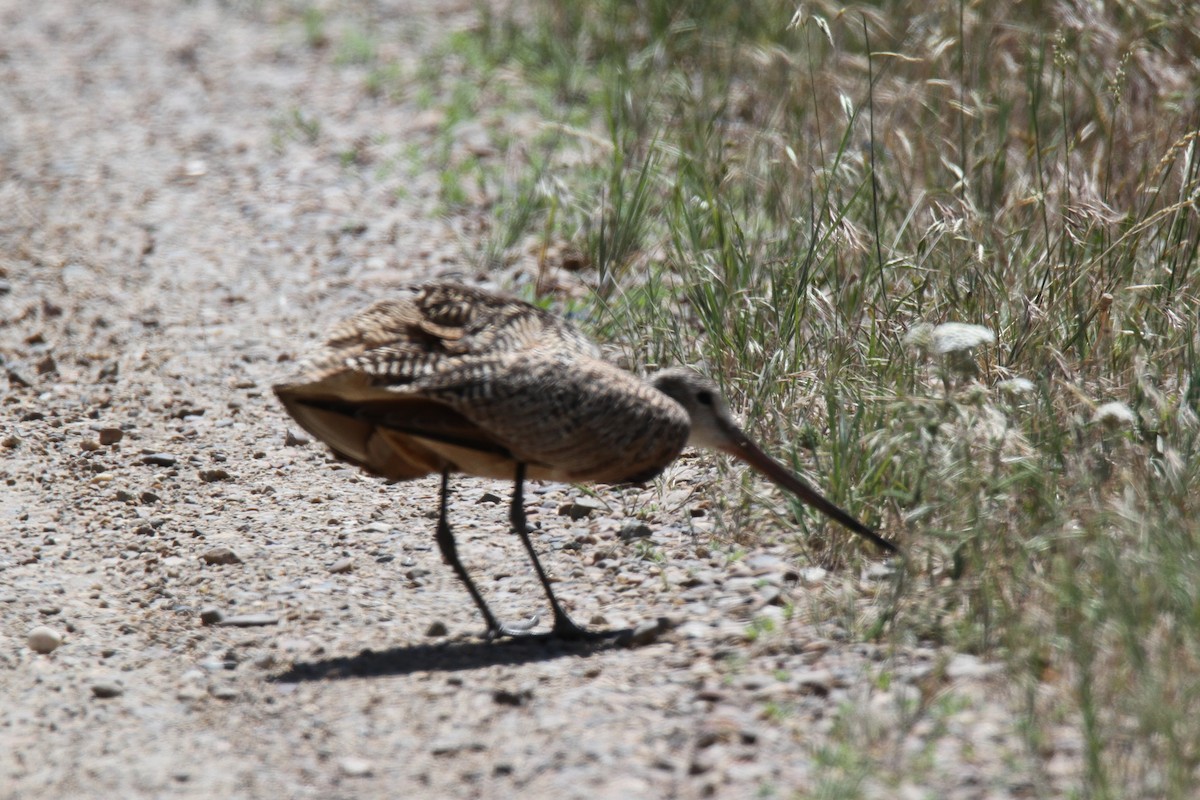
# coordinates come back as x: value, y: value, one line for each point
x: 447, y: 378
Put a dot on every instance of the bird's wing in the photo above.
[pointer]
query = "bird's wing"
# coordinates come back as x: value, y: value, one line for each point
x: 578, y: 419
x: 427, y: 328
x: 445, y: 376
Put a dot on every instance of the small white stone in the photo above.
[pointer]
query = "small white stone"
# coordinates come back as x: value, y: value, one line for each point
x: 1115, y: 415
x: 963, y: 666
x: 953, y: 337
x: 43, y: 639
x: 1014, y: 387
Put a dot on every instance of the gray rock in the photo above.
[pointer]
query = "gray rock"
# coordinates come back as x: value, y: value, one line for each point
x: 635, y: 530
x: 43, y: 639
x: 248, y: 621
x: 223, y: 691
x: 189, y: 693
x: 293, y: 439
x: 964, y: 666
x: 817, y: 681
x: 109, y: 436
x: 578, y: 509
x: 105, y: 689
x: 513, y: 697
x: 220, y: 555
x: 211, y: 616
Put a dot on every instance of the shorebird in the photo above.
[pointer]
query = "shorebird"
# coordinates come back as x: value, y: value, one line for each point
x: 446, y: 378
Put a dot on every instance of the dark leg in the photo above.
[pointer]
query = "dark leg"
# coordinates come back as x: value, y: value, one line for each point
x: 564, y: 626
x: 445, y: 540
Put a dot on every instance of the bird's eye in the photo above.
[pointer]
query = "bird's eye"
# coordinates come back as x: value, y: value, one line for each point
x: 704, y: 397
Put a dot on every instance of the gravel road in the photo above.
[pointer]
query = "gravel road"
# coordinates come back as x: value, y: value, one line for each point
x: 195, y: 604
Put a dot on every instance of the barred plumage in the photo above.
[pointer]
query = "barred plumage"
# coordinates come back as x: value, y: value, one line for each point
x: 448, y: 378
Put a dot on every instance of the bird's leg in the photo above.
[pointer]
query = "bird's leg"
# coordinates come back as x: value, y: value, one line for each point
x: 564, y: 626
x: 445, y: 540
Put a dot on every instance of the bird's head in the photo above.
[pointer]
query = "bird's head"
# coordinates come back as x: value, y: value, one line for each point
x: 713, y: 427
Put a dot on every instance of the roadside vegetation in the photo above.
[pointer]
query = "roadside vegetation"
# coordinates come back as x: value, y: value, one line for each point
x: 805, y: 204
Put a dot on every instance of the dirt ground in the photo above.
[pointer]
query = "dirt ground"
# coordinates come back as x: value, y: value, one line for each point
x: 169, y: 243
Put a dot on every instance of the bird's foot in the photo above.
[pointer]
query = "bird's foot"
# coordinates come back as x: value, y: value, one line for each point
x: 566, y: 629
x: 498, y: 630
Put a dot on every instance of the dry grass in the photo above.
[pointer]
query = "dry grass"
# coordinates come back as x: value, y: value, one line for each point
x: 803, y: 190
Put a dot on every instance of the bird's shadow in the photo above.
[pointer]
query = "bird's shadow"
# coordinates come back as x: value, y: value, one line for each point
x: 451, y: 656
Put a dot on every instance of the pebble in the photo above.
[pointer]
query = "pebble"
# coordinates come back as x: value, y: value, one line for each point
x: 159, y: 459
x: 578, y: 509
x: 771, y: 596
x: 456, y: 744
x: 223, y: 691
x: 211, y: 616
x: 43, y: 639
x: 635, y: 530
x: 107, y: 689
x: 110, y: 435
x: 248, y: 621
x: 810, y: 576
x: 695, y: 629
x: 342, y: 566
x: 354, y: 767
x: 220, y: 555
x: 513, y: 697
x: 214, y: 475
x: 765, y: 563
x: 217, y: 664
x: 189, y: 693
x: 757, y: 680
x: 707, y: 758
x: 292, y: 439
x: 880, y: 571
x: 817, y: 681
x: 964, y: 665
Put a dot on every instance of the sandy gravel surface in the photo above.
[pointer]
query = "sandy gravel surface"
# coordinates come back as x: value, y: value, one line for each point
x: 169, y: 241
